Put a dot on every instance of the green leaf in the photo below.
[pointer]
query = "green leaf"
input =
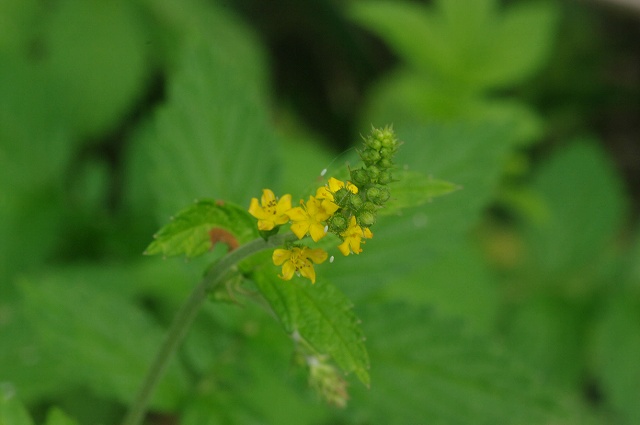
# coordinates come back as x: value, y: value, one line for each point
x: 58, y: 417
x: 321, y: 315
x: 97, y: 338
x: 96, y: 50
x: 585, y: 205
x: 413, y: 189
x: 188, y: 232
x: 458, y: 284
x: 614, y: 356
x: 470, y: 45
x: 12, y: 412
x: 213, y: 137
x: 427, y: 369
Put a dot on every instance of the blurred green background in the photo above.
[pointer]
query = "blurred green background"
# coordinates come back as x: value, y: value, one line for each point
x: 515, y: 300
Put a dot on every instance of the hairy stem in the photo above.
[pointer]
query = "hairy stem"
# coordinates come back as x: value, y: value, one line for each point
x: 185, y: 316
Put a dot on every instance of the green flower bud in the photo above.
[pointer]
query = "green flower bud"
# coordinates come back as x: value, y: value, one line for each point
x: 373, y: 143
x: 386, y: 153
x: 378, y: 195
x: 369, y: 207
x: 385, y: 177
x: 355, y: 200
x: 373, y: 172
x: 341, y: 197
x: 370, y: 156
x: 389, y: 139
x: 360, y: 177
x: 384, y: 163
x: 366, y: 218
x: 338, y: 224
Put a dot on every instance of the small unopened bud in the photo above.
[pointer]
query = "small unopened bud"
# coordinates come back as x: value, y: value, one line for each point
x: 341, y: 197
x: 387, y: 153
x: 385, y: 177
x: 338, y: 223
x: 373, y: 172
x: 378, y: 195
x: 370, y: 207
x: 355, y: 200
x: 370, y: 156
x: 373, y: 143
x: 360, y: 177
x: 366, y: 218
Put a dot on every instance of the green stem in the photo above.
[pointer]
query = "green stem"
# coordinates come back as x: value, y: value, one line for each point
x: 185, y: 316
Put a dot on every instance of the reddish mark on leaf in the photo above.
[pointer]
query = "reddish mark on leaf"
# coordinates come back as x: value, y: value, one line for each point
x: 220, y: 202
x: 223, y: 236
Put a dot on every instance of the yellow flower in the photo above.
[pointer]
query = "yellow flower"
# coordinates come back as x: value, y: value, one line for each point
x: 334, y: 185
x: 352, y: 238
x: 272, y: 213
x: 311, y: 217
x: 298, y: 260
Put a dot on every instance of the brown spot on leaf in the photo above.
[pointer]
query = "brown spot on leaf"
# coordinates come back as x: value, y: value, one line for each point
x: 223, y: 236
x: 220, y: 202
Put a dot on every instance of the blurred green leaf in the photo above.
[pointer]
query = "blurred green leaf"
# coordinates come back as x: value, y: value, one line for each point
x: 35, y: 151
x: 188, y: 232
x: 96, y: 51
x: 548, y: 332
x: 413, y: 189
x: 427, y: 369
x: 56, y: 416
x: 467, y: 44
x: 74, y: 322
x: 212, y: 138
x: 321, y: 315
x: 458, y: 284
x: 585, y: 206
x: 615, y: 354
x: 12, y: 412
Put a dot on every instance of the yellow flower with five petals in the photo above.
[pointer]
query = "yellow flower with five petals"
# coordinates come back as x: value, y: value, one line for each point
x: 271, y: 212
x: 298, y: 260
x: 310, y: 218
x: 352, y: 238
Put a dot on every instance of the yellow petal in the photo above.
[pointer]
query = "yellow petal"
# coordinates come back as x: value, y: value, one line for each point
x: 300, y: 229
x: 284, y: 204
x: 267, y: 196
x: 329, y: 207
x: 335, y: 184
x: 316, y: 230
x: 280, y: 256
x: 324, y: 193
x: 367, y: 233
x: 308, y: 272
x: 297, y: 214
x: 344, y: 248
x: 287, y: 270
x: 255, y: 209
x: 317, y: 255
x: 352, y: 187
x: 266, y: 224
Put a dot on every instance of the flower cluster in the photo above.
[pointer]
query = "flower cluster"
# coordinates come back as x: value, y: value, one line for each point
x: 346, y: 209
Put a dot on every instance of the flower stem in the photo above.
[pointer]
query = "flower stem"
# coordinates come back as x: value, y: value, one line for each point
x: 185, y: 316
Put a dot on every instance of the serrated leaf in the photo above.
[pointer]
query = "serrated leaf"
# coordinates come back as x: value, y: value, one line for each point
x: 98, y: 338
x: 213, y: 137
x: 12, y: 412
x: 189, y: 232
x: 320, y: 314
x: 427, y: 369
x: 414, y: 189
